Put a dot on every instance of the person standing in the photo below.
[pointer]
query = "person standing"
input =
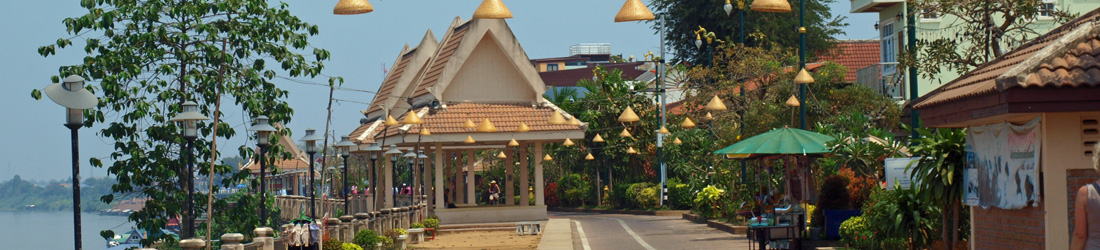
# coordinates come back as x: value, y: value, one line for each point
x: 494, y: 193
x: 1086, y: 219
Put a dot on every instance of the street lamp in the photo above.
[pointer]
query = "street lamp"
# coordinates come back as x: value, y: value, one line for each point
x: 345, y: 151
x: 410, y: 157
x: 189, y: 119
x: 393, y: 153
x: 373, y: 150
x: 420, y: 159
x: 263, y: 130
x: 70, y: 93
x: 311, y: 139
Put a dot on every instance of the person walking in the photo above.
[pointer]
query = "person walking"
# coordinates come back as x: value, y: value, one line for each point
x: 494, y: 193
x: 1086, y: 219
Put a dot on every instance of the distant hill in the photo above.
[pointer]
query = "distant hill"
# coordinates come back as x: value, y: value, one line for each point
x: 19, y: 194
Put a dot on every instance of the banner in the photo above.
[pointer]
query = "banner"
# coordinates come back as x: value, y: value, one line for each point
x: 1002, y: 167
x: 897, y: 172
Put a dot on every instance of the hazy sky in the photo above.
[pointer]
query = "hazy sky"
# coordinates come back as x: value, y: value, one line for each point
x: 37, y: 146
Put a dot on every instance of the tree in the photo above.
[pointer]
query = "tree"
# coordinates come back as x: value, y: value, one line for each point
x: 151, y: 56
x: 984, y: 30
x: 939, y: 173
x: 683, y: 17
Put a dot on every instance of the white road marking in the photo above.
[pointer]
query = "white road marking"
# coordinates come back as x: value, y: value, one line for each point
x: 584, y: 239
x: 632, y: 234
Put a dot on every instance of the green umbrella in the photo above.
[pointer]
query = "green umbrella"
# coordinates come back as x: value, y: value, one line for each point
x: 779, y: 141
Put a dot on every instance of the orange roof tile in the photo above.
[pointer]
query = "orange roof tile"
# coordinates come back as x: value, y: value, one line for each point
x: 386, y: 90
x: 364, y: 128
x: 506, y: 117
x: 854, y: 55
x: 449, y: 45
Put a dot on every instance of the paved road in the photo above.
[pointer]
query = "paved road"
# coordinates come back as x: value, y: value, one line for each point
x: 615, y: 231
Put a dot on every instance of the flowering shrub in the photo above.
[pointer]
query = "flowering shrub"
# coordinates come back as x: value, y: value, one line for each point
x: 859, y: 187
x: 551, y: 192
x: 706, y: 201
x: 856, y: 232
x: 350, y: 246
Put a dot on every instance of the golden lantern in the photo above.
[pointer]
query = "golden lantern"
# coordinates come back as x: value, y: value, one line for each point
x: 589, y: 157
x: 390, y: 121
x: 793, y: 102
x: 715, y: 104
x: 470, y: 140
x: 687, y: 123
x: 598, y: 138
x: 631, y: 150
x: 625, y: 133
x: 663, y: 130
x: 770, y: 6
x: 523, y: 127
x: 635, y: 10
x: 486, y: 126
x: 708, y: 117
x: 575, y: 121
x: 469, y: 124
x: 501, y: 155
x: 568, y: 142
x: 425, y: 132
x: 547, y: 158
x: 628, y: 115
x: 412, y: 118
x: 556, y: 118
x: 803, y: 77
x: 677, y: 141
x: 513, y: 143
x: 492, y: 9
x: 352, y: 7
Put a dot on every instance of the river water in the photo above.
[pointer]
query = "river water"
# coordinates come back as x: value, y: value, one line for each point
x: 21, y: 230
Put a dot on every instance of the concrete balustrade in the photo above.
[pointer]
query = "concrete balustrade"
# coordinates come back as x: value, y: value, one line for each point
x: 192, y: 244
x: 264, y: 237
x: 347, y: 228
x: 232, y: 241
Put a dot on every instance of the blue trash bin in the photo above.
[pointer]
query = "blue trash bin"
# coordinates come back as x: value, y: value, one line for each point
x: 833, y: 218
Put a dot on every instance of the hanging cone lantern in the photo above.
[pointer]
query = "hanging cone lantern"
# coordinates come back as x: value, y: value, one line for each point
x: 727, y: 7
x: 663, y: 130
x: 575, y: 121
x: 677, y: 141
x: 598, y: 138
x: 634, y: 10
x: 501, y: 155
x: 425, y: 132
x: 628, y: 115
x: 803, y: 77
x: 793, y: 102
x: 470, y: 140
x: 486, y: 126
x: 492, y: 9
x: 631, y: 150
x: 412, y: 118
x: 513, y: 143
x: 687, y: 123
x: 547, y: 158
x: 568, y: 142
x: 556, y: 118
x: 715, y: 104
x: 589, y: 157
x: 469, y: 124
x: 625, y: 133
x: 708, y: 117
x: 523, y: 127
x: 352, y: 7
x: 390, y: 121
x: 770, y: 6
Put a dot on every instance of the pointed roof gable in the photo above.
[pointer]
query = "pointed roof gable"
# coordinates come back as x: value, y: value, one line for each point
x: 405, y: 70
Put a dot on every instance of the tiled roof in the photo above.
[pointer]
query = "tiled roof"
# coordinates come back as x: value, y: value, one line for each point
x: 386, y: 90
x: 854, y: 55
x: 284, y: 165
x: 365, y: 128
x: 506, y: 118
x: 570, y: 77
x: 1073, y: 63
x: 438, y: 63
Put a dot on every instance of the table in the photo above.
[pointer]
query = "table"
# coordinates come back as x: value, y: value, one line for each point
x: 764, y: 234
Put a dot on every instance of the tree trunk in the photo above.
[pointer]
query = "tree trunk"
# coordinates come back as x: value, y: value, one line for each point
x: 955, y: 223
x: 946, y: 227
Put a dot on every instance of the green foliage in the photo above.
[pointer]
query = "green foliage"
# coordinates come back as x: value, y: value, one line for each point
x: 707, y: 201
x: 416, y: 225
x: 857, y: 233
x: 401, y: 231
x: 350, y: 246
x: 859, y: 187
x: 150, y: 57
x: 229, y: 219
x: 679, y: 194
x: 332, y: 243
x: 902, y: 214
x: 18, y: 194
x: 389, y: 239
x: 619, y: 197
x: 679, y: 18
x: 861, y: 148
x: 366, y: 238
x: 643, y: 195
x: 431, y: 223
x: 834, y: 195
x: 939, y: 173
x: 576, y: 189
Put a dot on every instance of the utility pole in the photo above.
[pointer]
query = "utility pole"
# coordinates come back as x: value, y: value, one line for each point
x: 911, y: 23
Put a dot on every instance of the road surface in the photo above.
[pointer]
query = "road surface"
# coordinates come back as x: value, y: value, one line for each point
x: 617, y: 231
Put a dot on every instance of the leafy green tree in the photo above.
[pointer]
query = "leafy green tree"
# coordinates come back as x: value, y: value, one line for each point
x: 939, y: 173
x: 683, y: 17
x: 148, y: 57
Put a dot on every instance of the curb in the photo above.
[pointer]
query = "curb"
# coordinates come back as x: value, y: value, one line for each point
x: 612, y: 211
x: 727, y: 227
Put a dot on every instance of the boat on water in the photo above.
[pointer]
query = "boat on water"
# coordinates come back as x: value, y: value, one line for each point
x: 132, y: 239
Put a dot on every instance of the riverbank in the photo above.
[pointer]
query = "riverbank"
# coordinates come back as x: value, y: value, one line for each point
x: 54, y: 229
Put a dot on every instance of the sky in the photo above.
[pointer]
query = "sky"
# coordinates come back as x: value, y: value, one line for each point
x: 36, y: 145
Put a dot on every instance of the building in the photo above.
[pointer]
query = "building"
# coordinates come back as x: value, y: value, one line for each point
x: 930, y: 26
x: 1049, y: 87
x: 580, y: 55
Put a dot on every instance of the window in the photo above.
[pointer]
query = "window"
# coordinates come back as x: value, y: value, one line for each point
x: 1046, y: 9
x: 929, y: 15
x: 552, y: 67
x: 888, y: 45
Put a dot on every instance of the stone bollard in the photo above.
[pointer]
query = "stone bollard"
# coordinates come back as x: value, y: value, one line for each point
x: 263, y: 236
x: 192, y: 244
x: 361, y: 222
x: 383, y: 221
x: 347, y: 226
x: 232, y: 241
x: 374, y: 218
x: 332, y: 227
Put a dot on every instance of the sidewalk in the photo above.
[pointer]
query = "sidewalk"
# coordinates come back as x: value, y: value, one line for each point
x: 557, y: 235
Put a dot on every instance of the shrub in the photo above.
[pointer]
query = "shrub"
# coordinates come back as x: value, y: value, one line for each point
x: 679, y: 194
x: 855, y: 232
x: 619, y: 199
x: 431, y: 223
x: 706, y: 201
x: 387, y: 243
x: 332, y: 243
x: 643, y: 195
x: 416, y: 225
x: 389, y: 239
x: 859, y: 187
x: 834, y: 195
x: 551, y: 195
x: 576, y: 189
x: 890, y: 212
x: 350, y: 246
x: 401, y: 231
x: 366, y: 238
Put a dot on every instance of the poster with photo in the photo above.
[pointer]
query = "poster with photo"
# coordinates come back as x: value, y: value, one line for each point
x: 1003, y: 165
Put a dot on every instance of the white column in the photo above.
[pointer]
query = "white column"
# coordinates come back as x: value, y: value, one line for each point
x: 439, y: 156
x: 509, y: 176
x: 539, y: 196
x: 471, y: 197
x: 524, y: 176
x: 387, y: 189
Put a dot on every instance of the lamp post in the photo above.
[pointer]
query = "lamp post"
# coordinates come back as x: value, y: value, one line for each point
x: 263, y: 130
x: 70, y: 93
x: 410, y: 157
x: 393, y: 153
x: 311, y: 139
x: 189, y: 119
x: 345, y: 151
x: 374, y: 150
x: 420, y: 158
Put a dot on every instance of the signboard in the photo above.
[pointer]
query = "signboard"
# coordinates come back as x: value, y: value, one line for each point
x: 1003, y: 165
x: 897, y: 172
